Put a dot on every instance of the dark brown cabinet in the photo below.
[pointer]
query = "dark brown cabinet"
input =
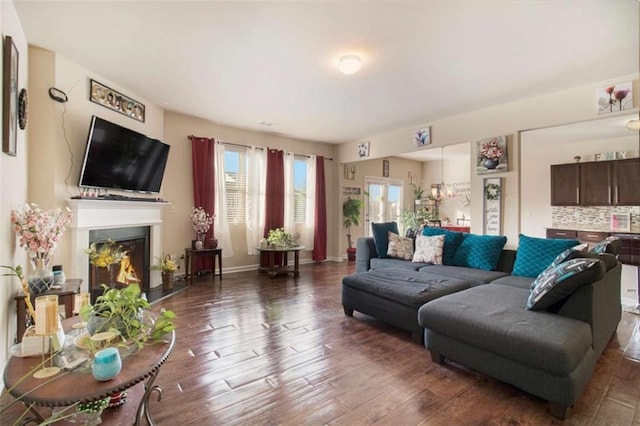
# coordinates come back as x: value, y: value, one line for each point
x: 626, y: 182
x: 597, y: 183
x: 565, y: 185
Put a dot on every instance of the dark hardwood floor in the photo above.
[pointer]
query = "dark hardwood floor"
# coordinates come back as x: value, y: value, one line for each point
x: 253, y: 350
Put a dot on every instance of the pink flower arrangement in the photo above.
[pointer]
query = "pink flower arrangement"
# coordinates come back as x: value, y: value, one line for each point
x: 201, y: 220
x: 491, y: 150
x: 39, y: 231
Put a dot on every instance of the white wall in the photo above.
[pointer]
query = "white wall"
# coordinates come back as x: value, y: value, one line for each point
x: 13, y: 181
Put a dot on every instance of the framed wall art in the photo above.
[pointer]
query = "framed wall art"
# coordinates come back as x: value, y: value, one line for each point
x: 422, y: 137
x: 385, y: 168
x: 614, y: 98
x: 621, y: 222
x: 109, y: 98
x: 363, y: 149
x: 492, y: 211
x: 9, y: 97
x: 492, y: 155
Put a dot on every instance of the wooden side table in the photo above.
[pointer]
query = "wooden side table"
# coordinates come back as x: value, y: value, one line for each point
x: 274, y: 269
x: 65, y: 296
x: 190, y: 256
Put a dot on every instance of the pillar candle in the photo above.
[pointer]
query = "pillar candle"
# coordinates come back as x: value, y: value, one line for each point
x: 79, y: 301
x: 46, y: 315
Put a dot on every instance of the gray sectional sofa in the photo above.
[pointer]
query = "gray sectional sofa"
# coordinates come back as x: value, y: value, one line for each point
x: 482, y: 321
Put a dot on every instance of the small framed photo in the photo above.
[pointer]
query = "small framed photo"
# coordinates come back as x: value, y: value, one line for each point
x: 422, y: 137
x: 9, y: 97
x: 363, y: 150
x: 621, y: 222
x: 385, y: 168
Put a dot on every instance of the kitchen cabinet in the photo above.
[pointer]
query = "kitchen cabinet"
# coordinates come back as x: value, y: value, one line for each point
x: 565, y: 184
x: 596, y: 183
x: 626, y: 182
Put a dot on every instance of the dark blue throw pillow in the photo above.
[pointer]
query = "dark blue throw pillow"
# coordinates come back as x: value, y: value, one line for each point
x: 480, y: 251
x: 535, y: 254
x: 452, y: 241
x: 381, y: 237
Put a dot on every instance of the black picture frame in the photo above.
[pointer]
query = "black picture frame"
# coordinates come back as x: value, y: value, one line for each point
x: 385, y: 168
x: 10, y: 57
x: 116, y: 101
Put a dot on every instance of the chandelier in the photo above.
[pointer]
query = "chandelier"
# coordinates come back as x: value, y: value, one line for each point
x: 439, y: 191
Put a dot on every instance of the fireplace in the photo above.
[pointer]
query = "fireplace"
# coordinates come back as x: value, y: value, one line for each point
x: 91, y: 218
x: 133, y: 268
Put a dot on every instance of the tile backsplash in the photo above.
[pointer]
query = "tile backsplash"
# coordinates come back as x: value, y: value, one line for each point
x: 592, y: 218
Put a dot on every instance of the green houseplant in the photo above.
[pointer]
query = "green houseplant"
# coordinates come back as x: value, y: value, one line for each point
x: 351, y: 211
x: 122, y: 311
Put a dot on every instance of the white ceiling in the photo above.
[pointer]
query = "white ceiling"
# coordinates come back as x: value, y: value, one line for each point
x: 244, y: 63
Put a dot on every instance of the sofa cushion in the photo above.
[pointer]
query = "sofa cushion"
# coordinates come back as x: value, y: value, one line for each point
x: 429, y: 249
x: 403, y: 286
x: 535, y: 254
x: 451, y: 242
x: 400, y: 247
x: 472, y: 276
x: 609, y: 260
x: 479, y: 251
x: 380, y: 233
x: 377, y: 263
x: 515, y: 281
x: 611, y: 245
x: 558, y: 282
x: 492, y: 317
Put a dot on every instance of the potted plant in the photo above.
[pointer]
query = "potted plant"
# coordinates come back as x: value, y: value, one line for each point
x: 418, y: 192
x: 122, y: 312
x: 351, y: 210
x: 279, y: 238
x: 168, y: 267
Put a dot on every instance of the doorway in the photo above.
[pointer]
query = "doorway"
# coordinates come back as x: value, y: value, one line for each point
x: 384, y: 201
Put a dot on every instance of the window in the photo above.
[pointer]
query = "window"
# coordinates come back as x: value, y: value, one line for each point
x: 300, y: 189
x: 235, y: 173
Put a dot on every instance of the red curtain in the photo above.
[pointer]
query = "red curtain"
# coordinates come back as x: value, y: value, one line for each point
x: 274, y: 205
x: 204, y: 184
x: 320, y: 230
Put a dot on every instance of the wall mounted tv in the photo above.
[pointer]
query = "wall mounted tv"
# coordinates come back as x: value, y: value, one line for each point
x: 119, y: 158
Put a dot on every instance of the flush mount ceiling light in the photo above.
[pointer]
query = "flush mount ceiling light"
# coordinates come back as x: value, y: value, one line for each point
x: 633, y: 125
x: 349, y: 64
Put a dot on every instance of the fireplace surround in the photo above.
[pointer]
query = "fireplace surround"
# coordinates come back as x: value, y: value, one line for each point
x: 101, y: 215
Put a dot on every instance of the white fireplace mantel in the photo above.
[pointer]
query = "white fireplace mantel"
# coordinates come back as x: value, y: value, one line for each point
x: 90, y: 215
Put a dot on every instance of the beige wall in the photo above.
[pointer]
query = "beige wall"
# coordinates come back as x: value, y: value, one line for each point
x: 13, y: 181
x: 58, y: 132
x: 178, y: 187
x: 567, y: 106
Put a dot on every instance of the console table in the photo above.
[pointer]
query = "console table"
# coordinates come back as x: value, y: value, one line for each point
x: 190, y: 255
x: 68, y: 387
x: 65, y: 296
x: 274, y: 269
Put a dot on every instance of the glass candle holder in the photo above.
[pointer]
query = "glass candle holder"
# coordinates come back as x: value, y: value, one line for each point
x: 106, y: 364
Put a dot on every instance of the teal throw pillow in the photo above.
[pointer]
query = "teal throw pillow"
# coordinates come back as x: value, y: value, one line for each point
x: 452, y: 241
x: 558, y: 282
x: 479, y: 251
x: 535, y: 254
x: 381, y: 236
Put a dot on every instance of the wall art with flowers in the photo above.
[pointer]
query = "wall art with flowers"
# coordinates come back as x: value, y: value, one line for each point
x: 492, y: 155
x: 615, y: 97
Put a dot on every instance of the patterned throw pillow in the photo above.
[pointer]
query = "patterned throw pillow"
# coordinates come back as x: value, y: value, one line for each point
x: 452, y: 241
x: 381, y: 236
x: 400, y: 247
x: 479, y: 251
x: 610, y: 245
x: 558, y: 282
x: 429, y: 249
x: 535, y: 254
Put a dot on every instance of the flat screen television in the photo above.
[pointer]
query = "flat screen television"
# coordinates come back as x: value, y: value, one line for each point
x: 119, y: 158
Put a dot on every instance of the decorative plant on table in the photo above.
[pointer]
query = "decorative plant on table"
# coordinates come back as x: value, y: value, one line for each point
x: 201, y: 222
x: 168, y: 267
x: 39, y: 232
x: 279, y: 238
x: 351, y: 212
x: 123, y: 312
x: 105, y: 257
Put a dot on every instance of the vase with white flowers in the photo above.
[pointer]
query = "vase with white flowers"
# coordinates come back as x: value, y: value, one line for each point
x: 39, y: 232
x: 201, y: 222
